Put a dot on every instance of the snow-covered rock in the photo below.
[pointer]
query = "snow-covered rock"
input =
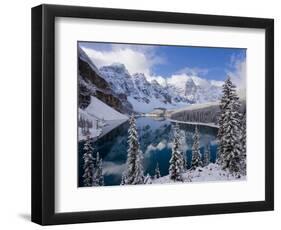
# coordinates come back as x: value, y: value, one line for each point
x: 100, y: 110
x: 200, y: 90
x: 135, y: 86
x: 118, y: 77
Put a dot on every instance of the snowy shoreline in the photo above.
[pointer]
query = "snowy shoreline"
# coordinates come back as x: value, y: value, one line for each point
x: 212, y: 125
x: 153, y: 116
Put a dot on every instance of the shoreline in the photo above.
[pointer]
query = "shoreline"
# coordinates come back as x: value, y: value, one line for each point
x: 212, y: 125
x: 194, y: 123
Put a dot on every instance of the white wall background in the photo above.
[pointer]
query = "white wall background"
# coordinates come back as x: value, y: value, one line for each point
x: 15, y: 113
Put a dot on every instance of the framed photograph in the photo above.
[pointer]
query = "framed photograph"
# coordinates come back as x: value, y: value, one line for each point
x: 142, y: 114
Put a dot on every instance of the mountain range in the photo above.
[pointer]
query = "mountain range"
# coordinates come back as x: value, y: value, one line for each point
x: 126, y: 92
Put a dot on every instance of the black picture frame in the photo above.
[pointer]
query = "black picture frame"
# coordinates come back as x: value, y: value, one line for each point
x: 43, y: 114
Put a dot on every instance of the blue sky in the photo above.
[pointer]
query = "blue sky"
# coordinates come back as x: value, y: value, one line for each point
x: 210, y: 63
x: 166, y: 61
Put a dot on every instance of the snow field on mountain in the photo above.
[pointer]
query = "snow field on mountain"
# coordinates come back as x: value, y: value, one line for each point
x: 100, y: 110
x: 103, y: 117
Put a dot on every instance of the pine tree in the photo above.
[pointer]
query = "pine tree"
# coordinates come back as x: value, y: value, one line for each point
x: 157, y: 172
x: 147, y: 179
x: 98, y: 179
x: 80, y: 121
x: 207, y: 155
x: 184, y: 161
x: 123, y: 179
x: 176, y: 161
x: 196, y: 155
x: 134, y: 169
x: 243, y: 144
x: 87, y: 132
x: 229, y: 134
x: 88, y: 163
x: 184, y: 158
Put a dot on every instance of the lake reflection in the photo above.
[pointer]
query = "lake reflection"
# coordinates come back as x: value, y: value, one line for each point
x: 155, y: 137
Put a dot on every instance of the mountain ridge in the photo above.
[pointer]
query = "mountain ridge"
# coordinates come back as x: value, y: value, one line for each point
x: 114, y: 85
x: 138, y: 89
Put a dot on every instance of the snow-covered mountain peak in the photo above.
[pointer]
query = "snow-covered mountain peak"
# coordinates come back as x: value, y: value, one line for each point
x: 144, y: 95
x: 118, y: 77
x: 190, y: 82
x: 139, y: 76
x: 200, y: 82
x: 179, y: 89
x: 116, y: 69
x: 155, y: 83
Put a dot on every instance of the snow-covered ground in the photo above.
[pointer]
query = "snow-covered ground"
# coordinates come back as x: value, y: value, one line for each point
x: 211, y: 172
x: 100, y: 110
x: 103, y: 118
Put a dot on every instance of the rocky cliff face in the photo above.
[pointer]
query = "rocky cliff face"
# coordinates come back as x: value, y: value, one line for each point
x: 137, y: 87
x: 92, y: 84
x: 88, y: 74
x: 190, y: 90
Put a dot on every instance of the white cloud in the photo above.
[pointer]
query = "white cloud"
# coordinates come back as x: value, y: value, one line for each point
x: 160, y: 146
x: 217, y: 83
x: 137, y: 59
x: 142, y: 59
x: 179, y: 80
x: 161, y: 80
x: 195, y: 71
x: 110, y: 168
x: 180, y: 77
x: 238, y: 74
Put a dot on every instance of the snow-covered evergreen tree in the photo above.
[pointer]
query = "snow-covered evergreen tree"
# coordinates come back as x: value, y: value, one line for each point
x: 196, y: 155
x: 134, y: 170
x: 88, y: 163
x: 243, y: 143
x: 147, y: 179
x: 207, y: 155
x: 98, y: 179
x: 123, y: 179
x: 229, y: 134
x: 157, y: 172
x: 182, y: 135
x: 184, y: 161
x: 176, y: 161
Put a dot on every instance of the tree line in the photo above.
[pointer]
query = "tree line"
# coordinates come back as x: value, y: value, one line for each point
x: 85, y: 125
x: 93, y: 171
